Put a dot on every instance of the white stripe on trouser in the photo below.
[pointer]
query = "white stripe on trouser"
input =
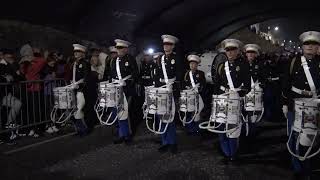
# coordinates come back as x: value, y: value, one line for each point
x: 80, y: 105
x: 15, y: 105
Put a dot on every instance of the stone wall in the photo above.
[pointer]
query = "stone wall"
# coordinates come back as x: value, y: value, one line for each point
x: 14, y: 34
x: 248, y: 37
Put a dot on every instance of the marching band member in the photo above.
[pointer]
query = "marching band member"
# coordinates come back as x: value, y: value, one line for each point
x: 113, y: 54
x: 192, y: 79
x: 229, y: 81
x: 169, y: 70
x: 146, y: 70
x: 301, y: 80
x: 255, y: 70
x: 122, y: 67
x: 81, y: 70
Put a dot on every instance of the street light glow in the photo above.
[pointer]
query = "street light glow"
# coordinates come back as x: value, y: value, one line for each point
x: 150, y: 51
x: 276, y: 28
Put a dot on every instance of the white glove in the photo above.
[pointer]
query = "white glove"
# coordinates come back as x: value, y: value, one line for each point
x: 122, y: 83
x: 75, y: 86
x: 285, y: 110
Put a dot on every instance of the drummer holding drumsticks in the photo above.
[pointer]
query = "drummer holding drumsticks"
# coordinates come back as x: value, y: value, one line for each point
x: 302, y: 80
x: 233, y: 78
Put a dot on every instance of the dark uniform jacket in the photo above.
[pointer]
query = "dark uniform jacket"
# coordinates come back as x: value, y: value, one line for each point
x: 83, y: 69
x: 128, y: 66
x: 256, y: 72
x: 174, y: 68
x: 271, y: 72
x: 199, y: 78
x: 146, y: 73
x: 239, y: 71
x: 295, y: 77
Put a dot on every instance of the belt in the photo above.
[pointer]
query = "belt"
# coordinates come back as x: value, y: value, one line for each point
x: 146, y: 77
x: 224, y: 88
x: 301, y: 92
x: 275, y: 79
x: 169, y: 80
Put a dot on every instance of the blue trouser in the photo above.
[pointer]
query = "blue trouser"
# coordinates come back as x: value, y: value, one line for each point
x: 193, y: 127
x: 252, y: 126
x: 81, y: 126
x: 169, y: 137
x: 298, y: 166
x: 229, y: 146
x: 123, y: 130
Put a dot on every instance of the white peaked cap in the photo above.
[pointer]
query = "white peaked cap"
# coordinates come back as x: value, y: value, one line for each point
x: 79, y: 47
x: 122, y: 43
x: 194, y: 58
x: 231, y: 43
x: 252, y: 47
x: 310, y: 36
x: 169, y: 39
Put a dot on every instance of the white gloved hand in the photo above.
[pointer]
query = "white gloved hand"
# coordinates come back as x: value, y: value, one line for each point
x: 285, y: 110
x: 75, y: 86
x: 122, y: 83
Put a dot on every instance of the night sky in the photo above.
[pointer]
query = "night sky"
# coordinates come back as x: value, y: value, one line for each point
x: 291, y: 28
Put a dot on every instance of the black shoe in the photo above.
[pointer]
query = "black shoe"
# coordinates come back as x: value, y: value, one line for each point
x: 173, y: 148
x: 164, y: 148
x: 118, y: 141
x: 225, y: 160
x: 128, y: 141
x: 157, y: 141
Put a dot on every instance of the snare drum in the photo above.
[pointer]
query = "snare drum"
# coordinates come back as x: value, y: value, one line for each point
x: 253, y: 100
x: 111, y: 95
x: 64, y: 98
x: 159, y: 100
x: 226, y: 108
x: 188, y: 101
x: 307, y: 114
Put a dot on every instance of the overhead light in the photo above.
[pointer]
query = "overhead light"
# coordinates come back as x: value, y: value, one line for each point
x: 150, y: 51
x: 276, y: 28
x: 290, y: 41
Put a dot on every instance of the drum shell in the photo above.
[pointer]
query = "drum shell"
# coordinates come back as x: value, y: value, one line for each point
x: 253, y: 101
x: 188, y: 101
x: 159, y: 100
x: 111, y: 95
x: 307, y: 114
x: 64, y: 98
x: 226, y: 109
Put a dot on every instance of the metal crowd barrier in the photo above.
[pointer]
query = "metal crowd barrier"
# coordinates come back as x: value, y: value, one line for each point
x: 26, y: 104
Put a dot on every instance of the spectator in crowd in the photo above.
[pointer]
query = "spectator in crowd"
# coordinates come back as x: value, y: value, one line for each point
x: 8, y: 93
x: 96, y: 67
x: 61, y: 63
x: 113, y: 54
x: 33, y: 63
x: 49, y: 74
